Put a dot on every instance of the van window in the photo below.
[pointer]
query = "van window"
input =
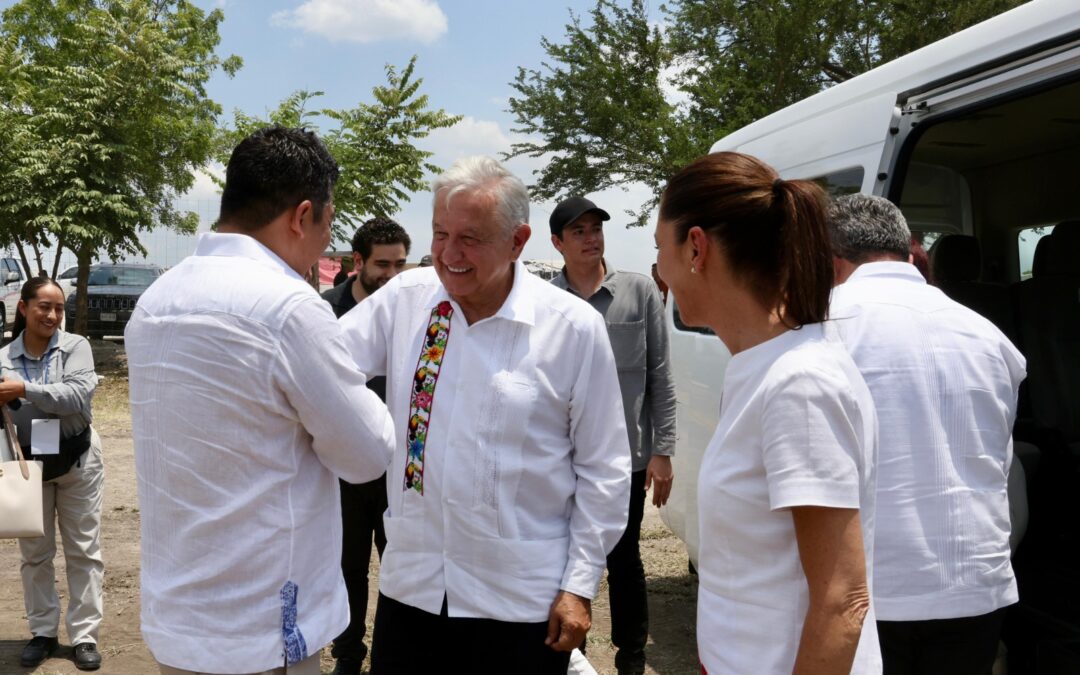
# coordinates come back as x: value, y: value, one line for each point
x: 682, y: 326
x: 1026, y: 241
x: 843, y: 182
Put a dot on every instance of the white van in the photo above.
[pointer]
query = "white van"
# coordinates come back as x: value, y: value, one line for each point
x: 976, y: 136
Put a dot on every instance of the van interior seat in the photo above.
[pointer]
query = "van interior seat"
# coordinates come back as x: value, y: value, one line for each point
x: 1048, y: 312
x: 956, y: 266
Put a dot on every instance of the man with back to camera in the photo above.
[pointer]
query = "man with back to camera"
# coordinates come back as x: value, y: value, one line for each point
x: 633, y: 312
x: 246, y: 408
x: 511, y: 484
x: 945, y: 382
x: 380, y: 248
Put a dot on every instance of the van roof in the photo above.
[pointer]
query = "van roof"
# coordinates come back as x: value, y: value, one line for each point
x: 1014, y: 31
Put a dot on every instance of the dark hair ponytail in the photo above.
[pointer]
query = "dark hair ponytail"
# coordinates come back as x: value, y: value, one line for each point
x: 773, y: 232
x: 806, y: 266
x: 29, y: 292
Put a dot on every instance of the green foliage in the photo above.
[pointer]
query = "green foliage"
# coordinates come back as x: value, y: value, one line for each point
x: 108, y: 117
x: 373, y: 144
x: 596, y: 111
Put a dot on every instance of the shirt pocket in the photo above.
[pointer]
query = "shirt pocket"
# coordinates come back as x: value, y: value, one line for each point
x: 628, y: 345
x: 503, y: 424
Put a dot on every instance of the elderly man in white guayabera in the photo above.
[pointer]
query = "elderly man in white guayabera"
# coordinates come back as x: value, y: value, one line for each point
x: 510, y: 481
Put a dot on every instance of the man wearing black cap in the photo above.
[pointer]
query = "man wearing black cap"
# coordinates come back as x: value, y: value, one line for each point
x: 634, y: 313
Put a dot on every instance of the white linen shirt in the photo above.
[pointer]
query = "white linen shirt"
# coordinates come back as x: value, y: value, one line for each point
x: 246, y: 408
x: 945, y: 383
x: 797, y: 428
x: 527, y: 463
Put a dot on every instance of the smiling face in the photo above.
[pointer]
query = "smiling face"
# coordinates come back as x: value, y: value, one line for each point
x: 385, y: 262
x: 473, y: 253
x: 44, y: 312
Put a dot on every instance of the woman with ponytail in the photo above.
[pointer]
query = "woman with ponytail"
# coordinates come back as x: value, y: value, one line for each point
x: 786, y: 487
x: 48, y: 381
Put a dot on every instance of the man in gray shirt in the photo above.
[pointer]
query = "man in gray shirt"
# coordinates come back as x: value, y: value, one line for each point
x: 634, y: 313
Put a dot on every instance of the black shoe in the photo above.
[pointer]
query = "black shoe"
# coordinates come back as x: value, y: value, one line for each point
x: 346, y: 667
x: 37, y: 650
x: 87, y: 656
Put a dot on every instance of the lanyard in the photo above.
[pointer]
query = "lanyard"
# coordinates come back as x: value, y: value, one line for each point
x: 45, y: 359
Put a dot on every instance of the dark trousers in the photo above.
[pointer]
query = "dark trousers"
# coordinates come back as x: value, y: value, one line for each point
x: 409, y: 640
x: 626, y: 587
x: 965, y: 646
x: 362, y: 509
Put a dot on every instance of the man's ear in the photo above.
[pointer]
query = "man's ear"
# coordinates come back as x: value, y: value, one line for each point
x: 521, y: 235
x: 303, y: 210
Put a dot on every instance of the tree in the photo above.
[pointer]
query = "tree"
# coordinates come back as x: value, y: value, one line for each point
x: 110, y: 103
x: 373, y: 143
x: 596, y: 110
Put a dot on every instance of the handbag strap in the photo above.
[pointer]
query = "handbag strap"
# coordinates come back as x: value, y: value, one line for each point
x: 13, y: 441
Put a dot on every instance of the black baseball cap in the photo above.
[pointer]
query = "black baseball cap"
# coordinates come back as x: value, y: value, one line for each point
x: 571, y: 209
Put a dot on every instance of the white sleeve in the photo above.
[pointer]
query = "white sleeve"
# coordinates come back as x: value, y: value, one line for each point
x: 350, y: 428
x: 811, y: 442
x: 601, y: 459
x: 364, y: 329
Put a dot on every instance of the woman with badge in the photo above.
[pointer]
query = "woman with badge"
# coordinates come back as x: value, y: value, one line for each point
x: 48, y: 380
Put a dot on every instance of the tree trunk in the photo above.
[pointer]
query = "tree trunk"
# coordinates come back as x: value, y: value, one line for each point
x: 56, y: 261
x: 22, y: 256
x: 37, y: 258
x: 85, y: 255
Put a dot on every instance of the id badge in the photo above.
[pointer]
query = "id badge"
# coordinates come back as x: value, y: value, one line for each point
x: 45, y: 437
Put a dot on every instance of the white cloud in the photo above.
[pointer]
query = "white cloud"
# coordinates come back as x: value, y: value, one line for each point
x: 367, y: 20
x: 669, y: 77
x: 470, y: 136
x: 204, y: 196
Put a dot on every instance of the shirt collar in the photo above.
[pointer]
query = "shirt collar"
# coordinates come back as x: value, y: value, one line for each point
x: 18, y: 348
x: 518, y: 306
x: 887, y: 269
x: 609, y: 282
x: 229, y: 244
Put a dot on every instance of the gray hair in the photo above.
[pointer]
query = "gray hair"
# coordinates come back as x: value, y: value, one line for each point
x: 864, y: 226
x: 485, y: 175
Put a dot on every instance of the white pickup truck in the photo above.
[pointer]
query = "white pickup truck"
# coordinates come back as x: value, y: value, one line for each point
x: 11, y: 274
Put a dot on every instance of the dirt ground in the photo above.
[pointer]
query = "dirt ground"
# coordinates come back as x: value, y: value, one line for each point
x: 671, y: 649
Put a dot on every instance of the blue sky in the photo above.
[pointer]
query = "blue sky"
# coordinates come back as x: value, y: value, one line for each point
x: 468, y: 52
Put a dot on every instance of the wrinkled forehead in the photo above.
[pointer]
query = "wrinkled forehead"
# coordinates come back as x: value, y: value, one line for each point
x: 456, y: 210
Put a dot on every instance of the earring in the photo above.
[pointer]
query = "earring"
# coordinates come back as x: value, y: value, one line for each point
x: 693, y: 269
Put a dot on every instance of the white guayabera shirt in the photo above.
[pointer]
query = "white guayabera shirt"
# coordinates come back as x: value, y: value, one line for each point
x: 526, y: 468
x: 246, y: 409
x: 945, y: 382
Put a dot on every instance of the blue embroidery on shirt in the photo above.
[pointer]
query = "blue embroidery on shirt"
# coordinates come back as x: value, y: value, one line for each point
x: 295, y: 646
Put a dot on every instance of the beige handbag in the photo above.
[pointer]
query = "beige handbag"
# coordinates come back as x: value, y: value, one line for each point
x: 20, y: 490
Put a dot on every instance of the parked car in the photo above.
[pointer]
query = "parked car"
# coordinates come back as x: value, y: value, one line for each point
x: 67, y: 279
x: 111, y: 293
x: 12, y: 277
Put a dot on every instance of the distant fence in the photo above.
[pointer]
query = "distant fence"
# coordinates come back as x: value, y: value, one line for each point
x: 163, y: 247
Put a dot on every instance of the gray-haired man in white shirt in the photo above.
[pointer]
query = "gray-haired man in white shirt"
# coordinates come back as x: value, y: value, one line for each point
x: 945, y: 383
x: 510, y: 482
x: 246, y: 409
